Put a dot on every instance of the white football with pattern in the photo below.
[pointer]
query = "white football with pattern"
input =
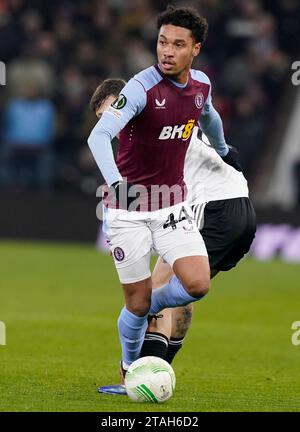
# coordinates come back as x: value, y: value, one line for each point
x: 150, y: 379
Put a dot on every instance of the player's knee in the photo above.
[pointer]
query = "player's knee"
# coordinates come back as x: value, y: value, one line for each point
x: 199, y: 286
x: 139, y: 308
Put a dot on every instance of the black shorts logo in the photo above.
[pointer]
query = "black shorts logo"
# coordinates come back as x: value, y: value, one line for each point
x: 120, y: 102
x: 119, y: 254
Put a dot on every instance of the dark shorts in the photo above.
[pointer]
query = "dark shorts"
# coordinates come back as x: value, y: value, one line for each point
x: 228, y: 229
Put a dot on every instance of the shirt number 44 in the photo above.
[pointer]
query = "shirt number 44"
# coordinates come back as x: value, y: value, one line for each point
x: 172, y: 221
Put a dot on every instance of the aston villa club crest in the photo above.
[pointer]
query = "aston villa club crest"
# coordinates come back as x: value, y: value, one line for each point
x: 199, y: 100
x: 119, y: 254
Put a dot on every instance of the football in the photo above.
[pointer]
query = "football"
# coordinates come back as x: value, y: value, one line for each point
x: 150, y: 379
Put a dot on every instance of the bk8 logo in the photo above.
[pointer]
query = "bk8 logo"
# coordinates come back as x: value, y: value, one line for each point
x: 178, y: 131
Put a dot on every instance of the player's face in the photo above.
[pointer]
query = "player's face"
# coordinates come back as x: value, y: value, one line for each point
x: 105, y: 105
x: 176, y: 50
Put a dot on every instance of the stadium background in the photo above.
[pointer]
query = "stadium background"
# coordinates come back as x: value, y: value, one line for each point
x: 56, y: 53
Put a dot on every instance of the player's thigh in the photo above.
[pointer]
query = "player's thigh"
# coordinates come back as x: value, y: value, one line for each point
x: 161, y: 274
x: 175, y: 235
x: 223, y: 225
x: 239, y: 249
x: 130, y: 243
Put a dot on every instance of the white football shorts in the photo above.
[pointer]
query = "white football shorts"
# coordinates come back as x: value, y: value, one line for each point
x: 170, y: 232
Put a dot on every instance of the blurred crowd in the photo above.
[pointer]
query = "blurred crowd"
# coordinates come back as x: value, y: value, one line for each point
x: 57, y: 52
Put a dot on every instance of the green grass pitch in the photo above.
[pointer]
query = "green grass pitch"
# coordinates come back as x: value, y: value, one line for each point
x: 60, y: 304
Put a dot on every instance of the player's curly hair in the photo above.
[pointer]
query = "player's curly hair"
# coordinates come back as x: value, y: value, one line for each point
x: 186, y: 17
x: 109, y: 87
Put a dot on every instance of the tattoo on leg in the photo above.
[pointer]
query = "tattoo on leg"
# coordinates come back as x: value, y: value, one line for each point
x: 183, y: 322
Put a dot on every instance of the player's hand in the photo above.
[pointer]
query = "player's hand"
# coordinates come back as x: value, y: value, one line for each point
x: 125, y: 194
x: 232, y: 158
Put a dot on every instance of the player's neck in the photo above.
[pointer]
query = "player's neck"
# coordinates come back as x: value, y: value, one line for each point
x: 179, y: 80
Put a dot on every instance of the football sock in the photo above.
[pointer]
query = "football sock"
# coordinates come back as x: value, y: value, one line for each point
x: 131, y: 332
x: 172, y: 294
x: 175, y: 344
x: 155, y: 344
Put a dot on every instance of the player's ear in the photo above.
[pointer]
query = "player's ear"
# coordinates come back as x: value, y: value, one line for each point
x: 196, y: 49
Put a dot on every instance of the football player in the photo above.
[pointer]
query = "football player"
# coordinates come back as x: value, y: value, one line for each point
x: 146, y: 206
x: 219, y: 196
